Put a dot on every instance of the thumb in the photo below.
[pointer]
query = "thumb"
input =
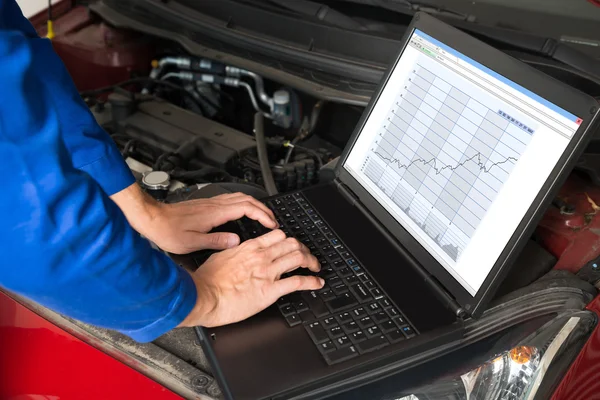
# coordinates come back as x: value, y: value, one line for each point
x: 218, y: 240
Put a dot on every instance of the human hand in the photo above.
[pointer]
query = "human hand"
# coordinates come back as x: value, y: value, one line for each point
x: 181, y: 228
x: 237, y: 283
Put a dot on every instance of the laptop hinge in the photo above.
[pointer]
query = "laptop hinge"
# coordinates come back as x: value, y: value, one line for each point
x: 437, y: 288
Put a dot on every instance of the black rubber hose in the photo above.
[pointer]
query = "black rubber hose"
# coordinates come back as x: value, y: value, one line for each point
x: 263, y: 155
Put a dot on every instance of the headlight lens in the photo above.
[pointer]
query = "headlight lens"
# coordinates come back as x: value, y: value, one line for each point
x: 513, y: 375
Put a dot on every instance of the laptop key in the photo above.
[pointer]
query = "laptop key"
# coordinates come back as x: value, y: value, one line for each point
x: 373, y: 331
x: 358, y: 270
x: 365, y: 322
x: 388, y: 326
x: 374, y: 308
x: 336, y: 332
x: 315, y: 304
x: 327, y: 273
x: 287, y: 310
x: 393, y: 313
x: 346, y: 272
x: 370, y: 285
x: 385, y: 303
x: 327, y: 347
x: 377, y: 293
x: 408, y: 331
x: 351, y: 280
x: 363, y: 277
x: 358, y: 336
x: 326, y: 249
x: 339, y: 264
x: 372, y: 344
x: 321, y: 242
x: 334, y: 281
x: 328, y: 295
x: 396, y: 336
x: 342, y: 341
x: 317, y: 332
x: 359, y: 312
x: 283, y: 301
x: 300, y: 306
x: 341, y: 303
x: 329, y: 322
x: 351, y: 326
x: 381, y: 317
x: 344, y: 317
x: 340, y: 289
x: 306, y: 316
x: 361, y: 293
x: 340, y: 355
x: 293, y: 320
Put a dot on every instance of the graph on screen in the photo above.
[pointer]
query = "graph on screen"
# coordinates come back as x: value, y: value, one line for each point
x: 442, y: 156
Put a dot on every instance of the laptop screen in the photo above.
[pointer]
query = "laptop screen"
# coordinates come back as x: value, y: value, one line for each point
x: 457, y: 153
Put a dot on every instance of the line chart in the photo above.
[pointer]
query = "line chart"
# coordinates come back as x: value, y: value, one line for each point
x: 442, y: 156
x: 433, y: 162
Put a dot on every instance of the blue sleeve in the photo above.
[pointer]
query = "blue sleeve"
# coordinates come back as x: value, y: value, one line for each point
x: 65, y: 244
x: 91, y: 149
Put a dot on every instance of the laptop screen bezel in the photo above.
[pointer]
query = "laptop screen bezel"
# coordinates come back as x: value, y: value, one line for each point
x: 558, y: 93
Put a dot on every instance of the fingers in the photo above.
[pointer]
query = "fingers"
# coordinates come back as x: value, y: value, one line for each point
x: 293, y: 260
x: 218, y: 241
x: 231, y: 212
x: 267, y: 240
x: 297, y: 283
x: 285, y: 247
x: 242, y: 197
x: 234, y: 198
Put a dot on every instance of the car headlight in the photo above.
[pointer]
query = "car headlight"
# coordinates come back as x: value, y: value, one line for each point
x: 515, y: 374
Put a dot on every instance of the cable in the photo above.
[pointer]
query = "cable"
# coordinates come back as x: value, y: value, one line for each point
x: 305, y: 132
x: 263, y: 156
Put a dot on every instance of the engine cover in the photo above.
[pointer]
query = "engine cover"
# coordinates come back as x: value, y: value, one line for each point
x: 167, y: 128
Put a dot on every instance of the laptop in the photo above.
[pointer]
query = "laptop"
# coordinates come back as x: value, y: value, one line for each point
x: 457, y: 155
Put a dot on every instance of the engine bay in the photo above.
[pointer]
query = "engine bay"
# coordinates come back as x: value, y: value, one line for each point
x: 198, y: 127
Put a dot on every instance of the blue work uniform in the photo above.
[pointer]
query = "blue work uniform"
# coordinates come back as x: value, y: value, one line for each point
x: 64, y: 243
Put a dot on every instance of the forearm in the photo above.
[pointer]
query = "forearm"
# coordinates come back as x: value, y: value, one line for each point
x: 139, y: 208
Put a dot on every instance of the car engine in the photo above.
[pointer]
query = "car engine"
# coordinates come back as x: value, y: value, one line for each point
x: 193, y: 121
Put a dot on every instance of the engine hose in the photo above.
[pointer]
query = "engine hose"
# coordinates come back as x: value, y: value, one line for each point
x: 263, y: 156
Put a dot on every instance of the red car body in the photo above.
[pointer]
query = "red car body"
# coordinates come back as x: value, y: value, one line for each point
x: 41, y: 361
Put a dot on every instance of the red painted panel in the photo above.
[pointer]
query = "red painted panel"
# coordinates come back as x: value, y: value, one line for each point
x: 582, y: 381
x: 574, y: 236
x: 40, y: 361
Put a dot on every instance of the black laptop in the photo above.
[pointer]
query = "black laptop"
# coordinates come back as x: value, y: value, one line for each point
x: 445, y: 177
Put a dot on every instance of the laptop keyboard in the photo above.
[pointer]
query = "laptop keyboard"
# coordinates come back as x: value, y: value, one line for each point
x: 350, y: 315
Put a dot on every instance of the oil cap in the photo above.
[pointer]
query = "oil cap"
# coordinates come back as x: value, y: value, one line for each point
x: 156, y: 183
